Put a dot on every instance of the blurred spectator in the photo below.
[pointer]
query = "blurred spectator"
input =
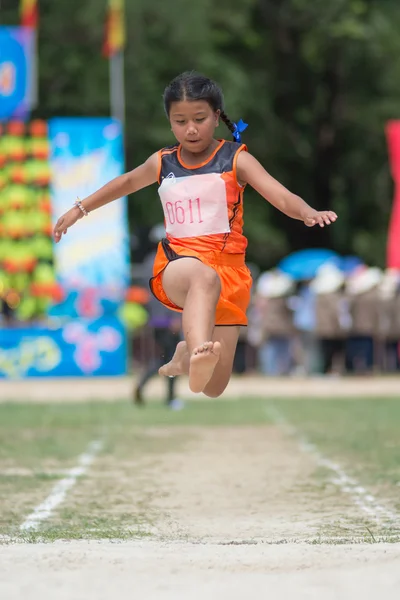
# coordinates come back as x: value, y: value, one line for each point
x: 6, y: 312
x: 332, y: 317
x: 276, y: 328
x: 246, y: 352
x: 166, y: 327
x: 240, y: 363
x: 304, y: 320
x: 166, y: 335
x: 389, y: 320
x: 362, y: 288
x: 397, y: 322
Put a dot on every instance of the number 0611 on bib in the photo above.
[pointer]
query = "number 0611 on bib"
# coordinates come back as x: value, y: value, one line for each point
x: 195, y: 205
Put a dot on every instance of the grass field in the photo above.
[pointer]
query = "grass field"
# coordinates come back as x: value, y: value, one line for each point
x: 240, y: 471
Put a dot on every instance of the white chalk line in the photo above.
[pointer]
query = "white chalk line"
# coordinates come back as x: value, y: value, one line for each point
x: 347, y: 485
x: 313, y: 541
x: 59, y: 491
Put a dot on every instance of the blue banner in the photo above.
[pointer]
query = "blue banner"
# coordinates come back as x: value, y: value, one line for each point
x: 16, y: 68
x: 86, y: 153
x: 78, y: 348
x: 87, y: 303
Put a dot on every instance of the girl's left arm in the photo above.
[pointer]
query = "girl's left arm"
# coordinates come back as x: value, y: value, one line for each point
x: 250, y: 171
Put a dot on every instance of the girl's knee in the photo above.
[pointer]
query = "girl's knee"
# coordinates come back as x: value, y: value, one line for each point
x: 208, y: 279
x: 187, y: 274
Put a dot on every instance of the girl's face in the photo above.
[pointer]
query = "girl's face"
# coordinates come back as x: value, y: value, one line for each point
x: 193, y: 123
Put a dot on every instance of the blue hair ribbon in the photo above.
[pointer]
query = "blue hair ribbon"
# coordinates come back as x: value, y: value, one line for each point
x: 240, y: 126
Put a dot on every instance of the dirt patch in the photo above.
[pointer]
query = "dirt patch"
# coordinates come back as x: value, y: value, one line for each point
x: 214, y: 484
x: 244, y: 483
x: 175, y: 571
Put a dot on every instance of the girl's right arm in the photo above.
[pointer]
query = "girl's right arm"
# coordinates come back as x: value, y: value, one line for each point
x: 141, y: 177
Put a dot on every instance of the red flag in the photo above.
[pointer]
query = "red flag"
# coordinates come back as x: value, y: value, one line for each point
x: 29, y: 13
x: 114, y: 38
x: 393, y: 245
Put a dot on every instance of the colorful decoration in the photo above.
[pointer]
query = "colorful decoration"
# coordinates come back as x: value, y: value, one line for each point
x: 29, y: 13
x: 27, y: 278
x: 114, y: 39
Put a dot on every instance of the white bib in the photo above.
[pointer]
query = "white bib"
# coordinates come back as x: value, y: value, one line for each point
x: 195, y: 205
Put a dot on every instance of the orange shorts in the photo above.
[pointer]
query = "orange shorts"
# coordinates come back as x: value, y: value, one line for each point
x: 235, y: 279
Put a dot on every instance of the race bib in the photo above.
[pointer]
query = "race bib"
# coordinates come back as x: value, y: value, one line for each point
x: 195, y: 205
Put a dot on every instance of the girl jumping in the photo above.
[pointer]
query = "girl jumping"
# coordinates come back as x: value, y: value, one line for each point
x: 199, y: 268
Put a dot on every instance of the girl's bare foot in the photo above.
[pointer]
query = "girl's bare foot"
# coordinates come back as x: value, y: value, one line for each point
x: 178, y: 363
x: 202, y: 365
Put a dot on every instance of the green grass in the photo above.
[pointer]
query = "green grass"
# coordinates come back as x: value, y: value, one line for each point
x: 362, y: 435
x: 39, y: 441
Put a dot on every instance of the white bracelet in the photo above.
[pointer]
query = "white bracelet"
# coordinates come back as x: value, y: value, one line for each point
x: 78, y: 203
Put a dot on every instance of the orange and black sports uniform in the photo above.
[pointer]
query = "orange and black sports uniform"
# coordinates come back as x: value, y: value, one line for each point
x: 224, y: 248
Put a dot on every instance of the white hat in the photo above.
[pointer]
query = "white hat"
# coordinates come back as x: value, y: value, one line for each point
x: 390, y: 283
x: 363, y: 281
x: 274, y: 284
x: 328, y: 280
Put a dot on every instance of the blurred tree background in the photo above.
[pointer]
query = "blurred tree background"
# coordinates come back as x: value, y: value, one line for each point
x: 316, y: 81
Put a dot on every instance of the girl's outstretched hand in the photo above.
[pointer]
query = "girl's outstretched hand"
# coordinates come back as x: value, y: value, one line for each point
x: 321, y: 218
x: 65, y: 222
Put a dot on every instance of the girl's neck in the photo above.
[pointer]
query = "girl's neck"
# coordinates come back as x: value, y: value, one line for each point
x: 195, y: 158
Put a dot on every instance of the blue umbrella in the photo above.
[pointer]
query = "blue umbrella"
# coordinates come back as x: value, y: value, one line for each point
x: 350, y: 264
x: 304, y: 264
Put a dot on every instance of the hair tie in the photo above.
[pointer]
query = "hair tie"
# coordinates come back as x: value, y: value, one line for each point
x: 240, y: 126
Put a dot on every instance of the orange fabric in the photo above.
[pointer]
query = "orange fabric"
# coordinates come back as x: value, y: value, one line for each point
x: 235, y: 279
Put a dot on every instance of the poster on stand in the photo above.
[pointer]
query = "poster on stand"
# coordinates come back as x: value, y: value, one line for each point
x: 86, y: 153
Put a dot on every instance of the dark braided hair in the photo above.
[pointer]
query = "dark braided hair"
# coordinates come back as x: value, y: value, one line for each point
x: 227, y: 121
x: 194, y: 86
